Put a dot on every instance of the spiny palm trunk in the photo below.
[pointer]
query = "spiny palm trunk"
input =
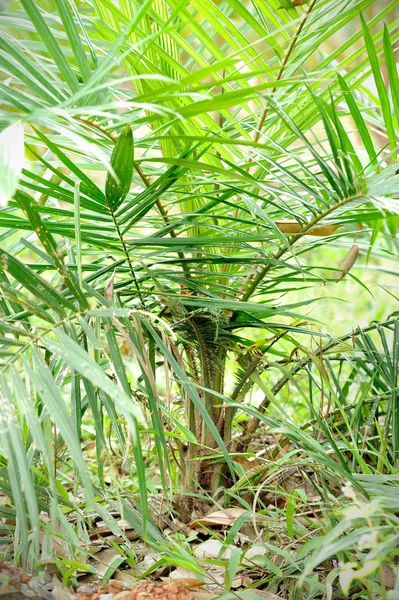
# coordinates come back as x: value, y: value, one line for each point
x: 207, y: 358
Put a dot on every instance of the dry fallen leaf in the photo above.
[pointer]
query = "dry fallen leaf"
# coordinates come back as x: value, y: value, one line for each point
x: 188, y: 582
x: 180, y: 573
x: 61, y: 593
x: 126, y: 576
x: 109, y: 288
x: 389, y: 577
x: 236, y: 583
x: 149, y: 560
x: 215, y: 578
x: 204, y: 595
x: 264, y: 595
x: 105, y: 559
x: 211, y: 549
x: 321, y: 230
x: 126, y: 595
x: 347, y: 263
x: 249, y: 462
x: 252, y: 552
x: 220, y: 517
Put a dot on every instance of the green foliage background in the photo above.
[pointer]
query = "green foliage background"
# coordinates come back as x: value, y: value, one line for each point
x: 153, y: 300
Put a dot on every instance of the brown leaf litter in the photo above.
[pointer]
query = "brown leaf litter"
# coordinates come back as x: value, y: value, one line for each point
x: 15, y: 585
x: 143, y: 590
